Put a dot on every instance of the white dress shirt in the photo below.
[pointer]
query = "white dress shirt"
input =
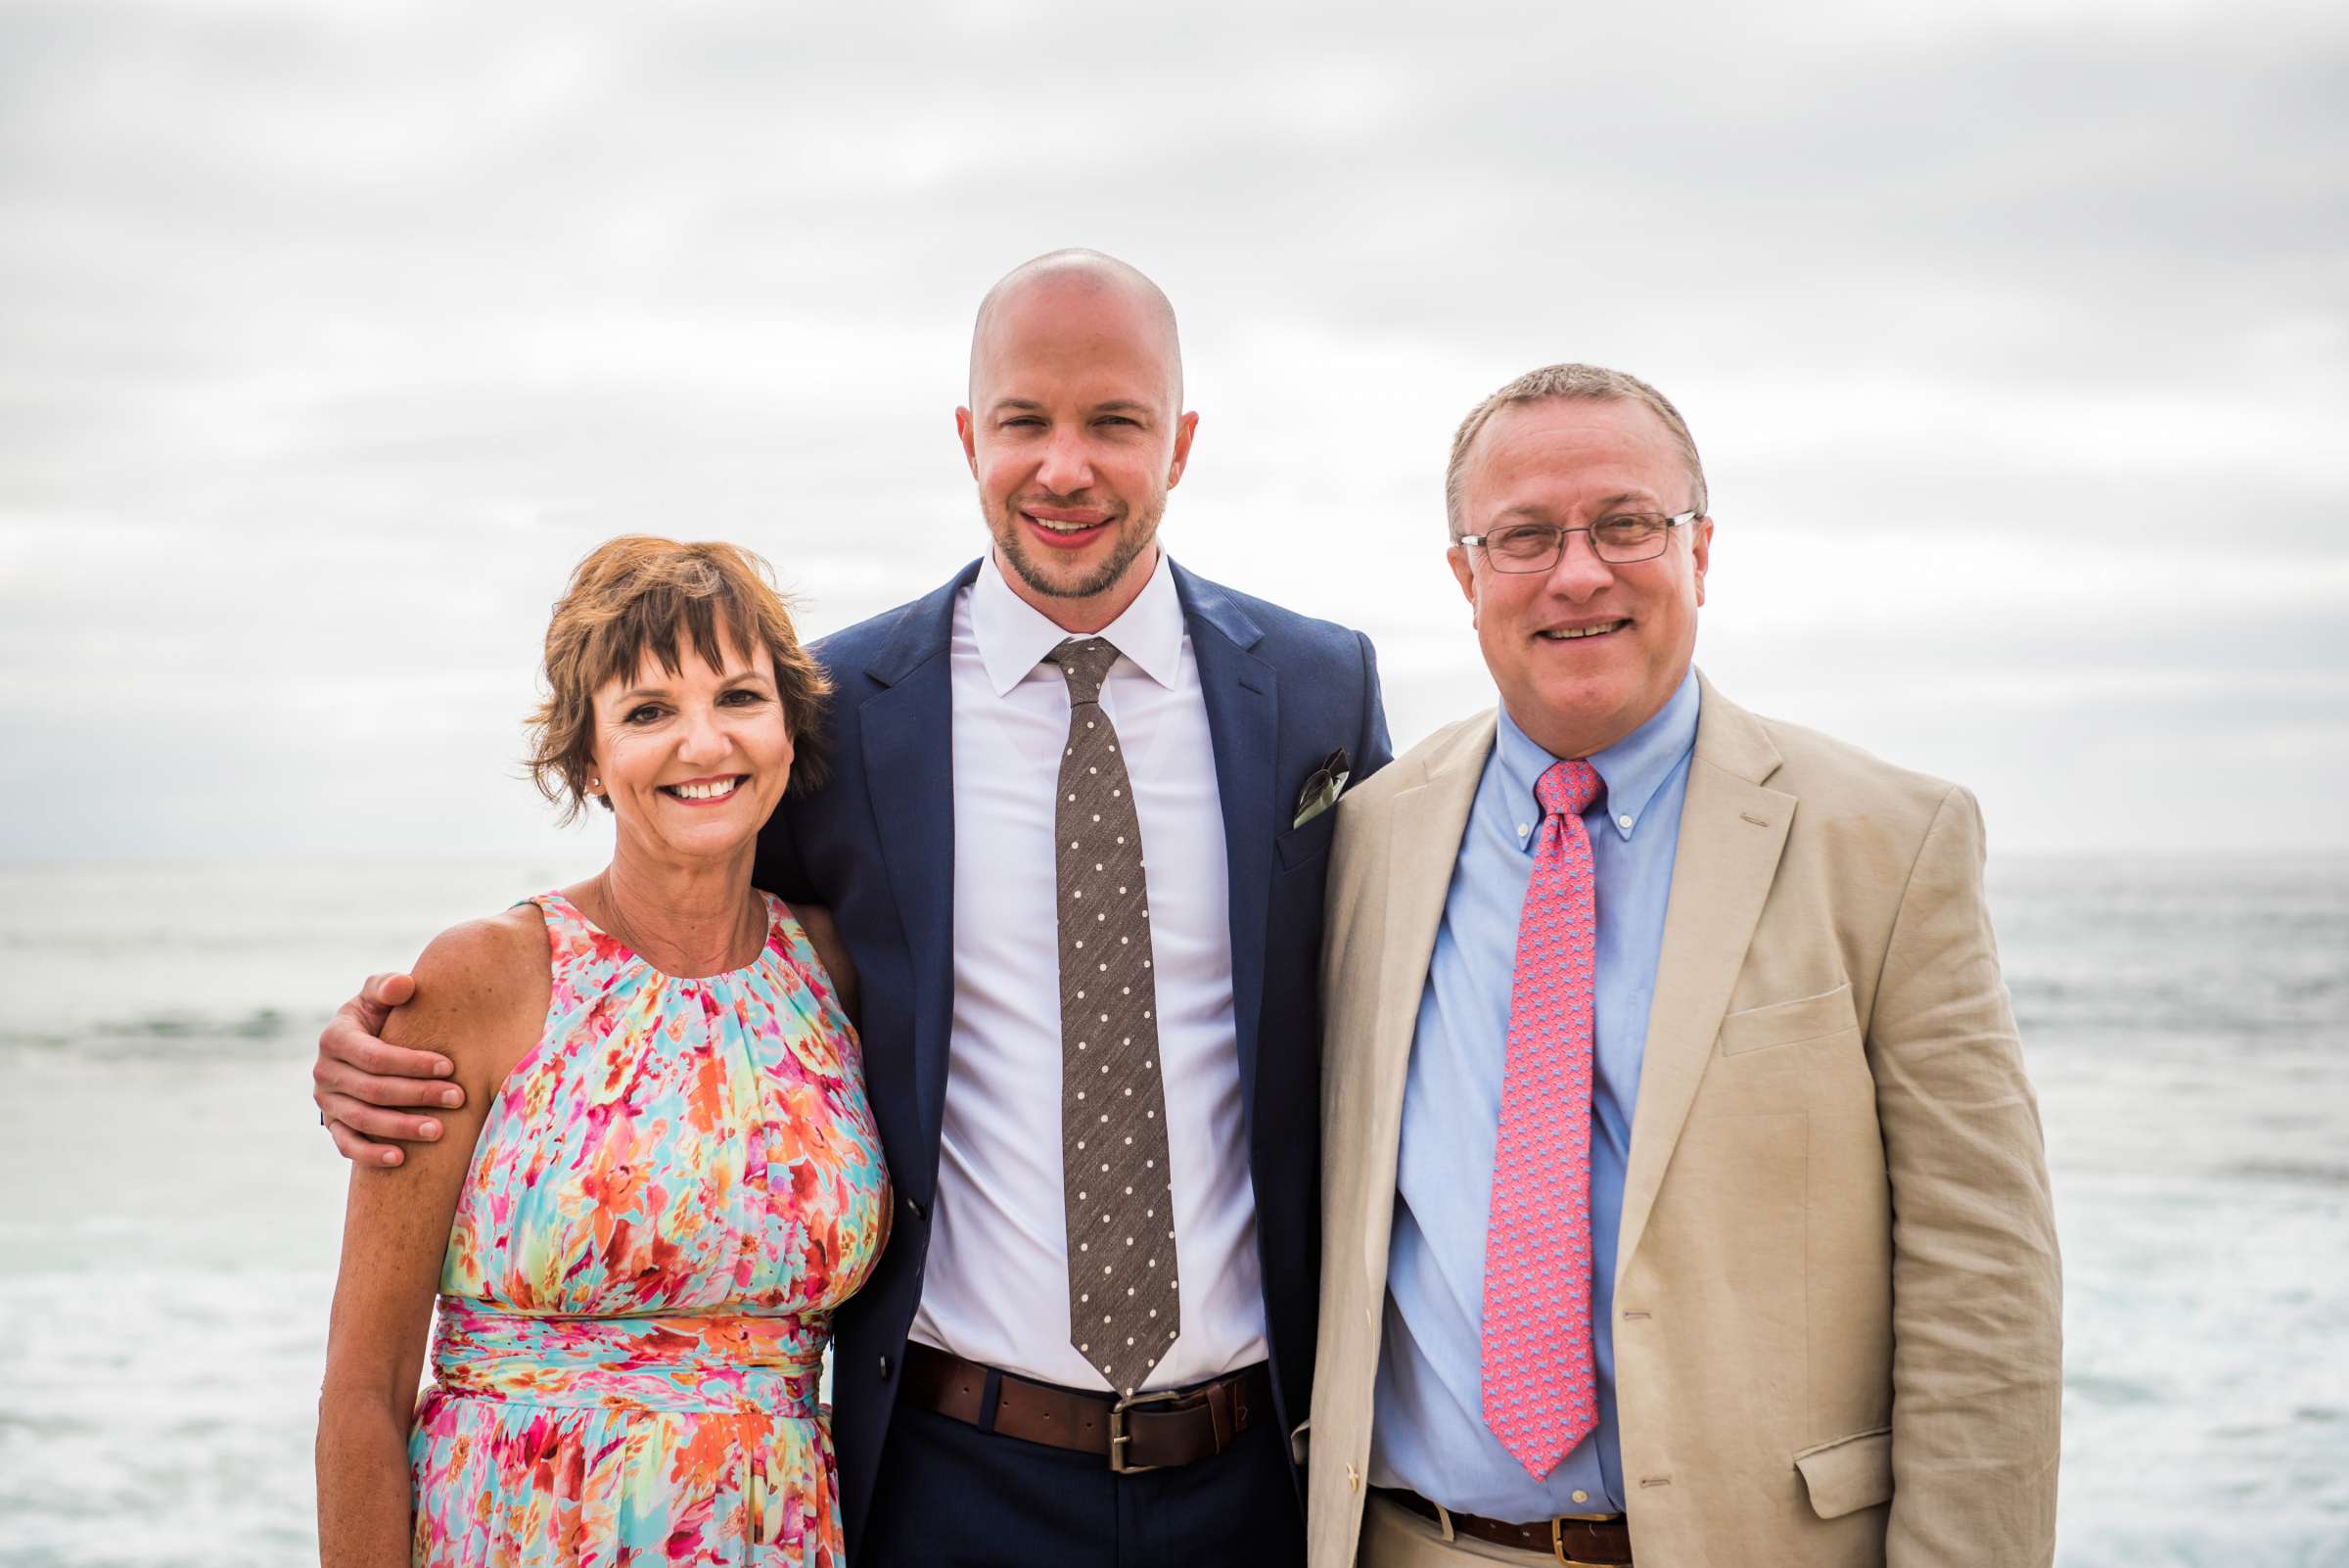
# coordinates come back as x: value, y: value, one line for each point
x: 996, y: 1284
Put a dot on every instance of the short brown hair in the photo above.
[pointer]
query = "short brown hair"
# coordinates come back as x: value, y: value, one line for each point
x: 1570, y: 382
x: 640, y: 594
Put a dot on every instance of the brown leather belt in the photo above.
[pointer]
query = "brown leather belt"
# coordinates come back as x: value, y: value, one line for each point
x: 1598, y: 1541
x: 1143, y: 1432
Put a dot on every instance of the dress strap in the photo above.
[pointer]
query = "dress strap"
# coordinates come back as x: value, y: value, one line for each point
x: 580, y: 950
x: 780, y: 926
x: 788, y: 942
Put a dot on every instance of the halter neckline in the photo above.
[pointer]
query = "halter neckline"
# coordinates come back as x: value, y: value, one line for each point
x: 774, y: 918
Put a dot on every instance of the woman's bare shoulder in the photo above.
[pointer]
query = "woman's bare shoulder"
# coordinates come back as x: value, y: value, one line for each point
x: 477, y: 982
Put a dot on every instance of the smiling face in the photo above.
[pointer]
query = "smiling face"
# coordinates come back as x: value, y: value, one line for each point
x: 1075, y: 435
x: 692, y: 761
x: 1588, y: 651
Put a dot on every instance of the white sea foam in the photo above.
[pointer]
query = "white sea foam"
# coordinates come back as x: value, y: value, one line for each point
x: 168, y: 1247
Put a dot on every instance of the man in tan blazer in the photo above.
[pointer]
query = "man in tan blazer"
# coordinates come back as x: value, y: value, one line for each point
x: 1802, y: 1253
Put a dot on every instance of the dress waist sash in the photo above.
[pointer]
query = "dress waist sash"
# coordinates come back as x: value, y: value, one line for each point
x: 724, y: 1361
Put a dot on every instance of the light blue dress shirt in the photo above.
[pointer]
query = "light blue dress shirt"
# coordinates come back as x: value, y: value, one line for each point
x: 1429, y: 1432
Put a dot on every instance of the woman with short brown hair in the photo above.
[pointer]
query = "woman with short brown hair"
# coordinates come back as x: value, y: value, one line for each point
x: 665, y: 1175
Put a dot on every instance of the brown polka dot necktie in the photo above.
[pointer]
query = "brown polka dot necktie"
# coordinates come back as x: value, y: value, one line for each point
x: 1123, y: 1312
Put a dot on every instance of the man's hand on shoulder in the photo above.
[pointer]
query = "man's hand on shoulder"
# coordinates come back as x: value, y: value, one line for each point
x: 385, y: 1062
x: 368, y: 1092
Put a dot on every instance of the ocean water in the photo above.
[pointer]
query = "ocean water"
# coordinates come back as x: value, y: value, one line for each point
x: 170, y: 1212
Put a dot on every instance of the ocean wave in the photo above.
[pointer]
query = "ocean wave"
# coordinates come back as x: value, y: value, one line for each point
x: 170, y: 1033
x: 2309, y: 1171
x: 2244, y: 1007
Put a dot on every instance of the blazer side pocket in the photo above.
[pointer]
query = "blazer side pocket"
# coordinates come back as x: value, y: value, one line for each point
x: 1848, y: 1474
x: 1789, y: 1023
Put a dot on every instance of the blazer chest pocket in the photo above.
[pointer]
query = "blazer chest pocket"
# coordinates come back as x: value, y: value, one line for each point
x: 1300, y: 845
x: 1848, y: 1474
x: 1789, y: 1023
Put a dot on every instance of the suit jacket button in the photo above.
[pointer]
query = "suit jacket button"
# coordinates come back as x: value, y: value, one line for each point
x: 1354, y: 1479
x: 884, y: 1368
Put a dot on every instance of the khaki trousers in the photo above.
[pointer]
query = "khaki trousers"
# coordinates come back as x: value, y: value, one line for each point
x: 1395, y: 1537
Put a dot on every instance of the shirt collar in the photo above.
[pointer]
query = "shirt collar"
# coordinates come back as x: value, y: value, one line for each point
x: 1013, y: 635
x: 1634, y: 768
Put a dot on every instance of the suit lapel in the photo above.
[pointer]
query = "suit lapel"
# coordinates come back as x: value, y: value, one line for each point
x: 909, y: 726
x: 1242, y: 694
x: 1424, y: 824
x: 1731, y: 832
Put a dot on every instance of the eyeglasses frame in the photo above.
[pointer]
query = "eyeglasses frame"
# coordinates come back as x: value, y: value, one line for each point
x: 1559, y: 551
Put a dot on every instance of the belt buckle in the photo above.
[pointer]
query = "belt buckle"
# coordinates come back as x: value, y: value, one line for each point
x: 1557, y: 1548
x: 1118, y: 1437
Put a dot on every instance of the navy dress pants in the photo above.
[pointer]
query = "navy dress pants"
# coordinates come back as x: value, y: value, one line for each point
x: 952, y: 1495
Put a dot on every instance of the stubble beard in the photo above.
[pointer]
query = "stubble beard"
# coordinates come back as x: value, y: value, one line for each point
x: 1135, y: 532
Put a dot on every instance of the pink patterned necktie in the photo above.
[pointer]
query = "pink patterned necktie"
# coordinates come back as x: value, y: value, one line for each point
x: 1541, y: 1386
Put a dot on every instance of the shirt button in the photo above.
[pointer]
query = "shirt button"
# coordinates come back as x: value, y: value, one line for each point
x: 1624, y: 822
x: 1581, y: 1496
x: 1523, y: 830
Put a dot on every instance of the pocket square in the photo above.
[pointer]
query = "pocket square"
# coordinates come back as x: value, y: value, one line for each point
x: 1321, y: 791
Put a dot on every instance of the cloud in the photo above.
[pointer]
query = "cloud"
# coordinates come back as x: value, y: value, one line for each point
x: 332, y: 333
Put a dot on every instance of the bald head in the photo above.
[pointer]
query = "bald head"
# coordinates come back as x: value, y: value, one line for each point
x: 1040, y: 287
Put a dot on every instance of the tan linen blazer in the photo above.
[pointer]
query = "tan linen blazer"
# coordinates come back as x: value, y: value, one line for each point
x: 1838, y: 1335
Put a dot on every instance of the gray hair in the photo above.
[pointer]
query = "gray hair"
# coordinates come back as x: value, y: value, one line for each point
x: 1569, y: 384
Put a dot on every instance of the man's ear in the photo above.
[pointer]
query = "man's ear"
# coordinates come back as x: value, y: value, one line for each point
x: 1184, y: 429
x: 1700, y: 553
x: 967, y: 429
x: 1464, y: 574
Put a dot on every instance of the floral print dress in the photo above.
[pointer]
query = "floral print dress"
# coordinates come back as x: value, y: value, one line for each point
x: 671, y: 1193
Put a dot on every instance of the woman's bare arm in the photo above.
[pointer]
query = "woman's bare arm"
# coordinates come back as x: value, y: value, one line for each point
x: 480, y: 1000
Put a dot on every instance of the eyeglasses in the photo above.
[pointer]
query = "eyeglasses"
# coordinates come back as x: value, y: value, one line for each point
x: 1617, y: 540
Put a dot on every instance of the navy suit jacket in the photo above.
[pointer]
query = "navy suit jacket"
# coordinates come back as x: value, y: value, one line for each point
x: 875, y: 843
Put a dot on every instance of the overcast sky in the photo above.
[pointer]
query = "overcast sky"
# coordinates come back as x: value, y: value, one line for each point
x: 2015, y: 336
